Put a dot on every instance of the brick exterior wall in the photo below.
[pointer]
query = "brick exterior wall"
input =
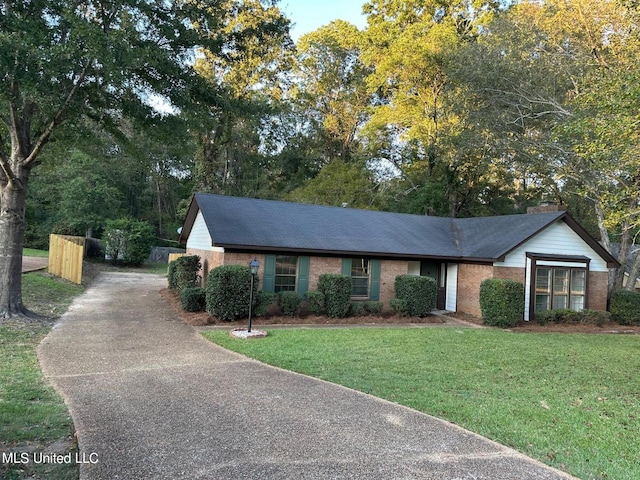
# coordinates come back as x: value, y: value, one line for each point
x: 389, y: 270
x: 470, y: 276
x: 208, y: 260
x: 507, y: 273
x: 320, y: 265
x: 597, y: 294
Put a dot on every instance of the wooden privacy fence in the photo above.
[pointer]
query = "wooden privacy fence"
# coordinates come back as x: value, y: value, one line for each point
x: 65, y: 257
x: 175, y: 256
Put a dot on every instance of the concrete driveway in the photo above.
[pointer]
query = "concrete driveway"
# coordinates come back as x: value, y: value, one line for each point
x: 151, y: 399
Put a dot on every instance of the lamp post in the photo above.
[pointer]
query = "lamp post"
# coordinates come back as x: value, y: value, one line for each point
x: 253, y: 266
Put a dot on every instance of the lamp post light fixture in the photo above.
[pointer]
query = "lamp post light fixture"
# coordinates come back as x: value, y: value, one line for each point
x: 253, y: 266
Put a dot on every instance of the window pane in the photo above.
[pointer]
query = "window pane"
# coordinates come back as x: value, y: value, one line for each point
x: 577, y: 302
x: 285, y: 280
x: 359, y: 277
x: 543, y: 280
x: 543, y: 303
x: 561, y: 281
x: 578, y: 289
x: 560, y: 301
x: 578, y: 282
x: 543, y: 289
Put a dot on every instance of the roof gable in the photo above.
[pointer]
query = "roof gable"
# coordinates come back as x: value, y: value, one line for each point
x: 239, y: 222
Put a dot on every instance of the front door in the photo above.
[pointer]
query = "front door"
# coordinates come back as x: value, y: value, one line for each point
x: 437, y: 271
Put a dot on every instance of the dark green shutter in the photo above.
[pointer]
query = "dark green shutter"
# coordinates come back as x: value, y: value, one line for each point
x: 346, y: 266
x: 303, y: 275
x: 269, y: 281
x: 374, y: 273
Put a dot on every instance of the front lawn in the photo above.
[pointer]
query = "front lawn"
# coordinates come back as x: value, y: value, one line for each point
x: 33, y: 417
x: 569, y: 400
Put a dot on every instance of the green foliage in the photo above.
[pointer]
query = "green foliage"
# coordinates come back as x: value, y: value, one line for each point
x: 228, y: 292
x: 339, y: 182
x: 128, y: 241
x: 289, y: 303
x: 356, y: 309
x: 372, y: 307
x: 586, y: 316
x: 264, y: 301
x: 171, y: 276
x: 336, y: 291
x: 193, y: 299
x: 419, y: 294
x: 183, y: 272
x: 501, y: 302
x: 315, y: 302
x: 625, y: 307
x: 399, y: 306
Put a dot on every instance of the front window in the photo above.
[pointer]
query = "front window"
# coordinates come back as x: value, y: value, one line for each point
x: 285, y: 280
x: 359, y: 277
x: 559, y: 288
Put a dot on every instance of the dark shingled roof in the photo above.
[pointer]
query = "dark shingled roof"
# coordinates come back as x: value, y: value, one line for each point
x: 247, y: 223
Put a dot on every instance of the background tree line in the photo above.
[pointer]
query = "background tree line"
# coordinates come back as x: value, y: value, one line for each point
x: 440, y: 107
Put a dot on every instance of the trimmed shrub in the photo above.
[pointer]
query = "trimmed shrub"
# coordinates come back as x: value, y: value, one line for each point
x: 501, y: 302
x: 264, y: 301
x: 399, y: 306
x: 193, y: 299
x: 373, y: 307
x: 336, y: 291
x: 356, y: 309
x: 228, y: 292
x: 419, y: 294
x: 586, y: 316
x: 128, y: 241
x: 171, y: 275
x: 289, y: 303
x: 625, y: 307
x: 597, y: 317
x: 315, y: 302
x: 185, y: 272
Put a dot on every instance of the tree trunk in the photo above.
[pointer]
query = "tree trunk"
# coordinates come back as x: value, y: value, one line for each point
x: 634, y: 272
x: 12, y: 211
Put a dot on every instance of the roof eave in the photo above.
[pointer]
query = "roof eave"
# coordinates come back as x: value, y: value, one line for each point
x: 334, y: 252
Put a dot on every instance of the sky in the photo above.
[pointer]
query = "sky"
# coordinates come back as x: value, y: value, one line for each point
x: 309, y: 15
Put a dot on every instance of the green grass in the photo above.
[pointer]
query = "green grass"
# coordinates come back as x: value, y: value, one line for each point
x: 32, y: 252
x: 32, y: 414
x: 569, y: 400
x: 47, y: 295
x: 33, y: 417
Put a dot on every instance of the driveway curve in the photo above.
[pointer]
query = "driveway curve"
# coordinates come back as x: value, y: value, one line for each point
x: 152, y: 399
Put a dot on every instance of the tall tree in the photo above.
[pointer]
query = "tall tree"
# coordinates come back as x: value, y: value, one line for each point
x: 251, y: 67
x: 331, y: 88
x: 62, y: 60
x: 420, y: 117
x: 566, y: 101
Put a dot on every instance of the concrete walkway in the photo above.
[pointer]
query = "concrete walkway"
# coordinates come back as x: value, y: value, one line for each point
x: 152, y: 399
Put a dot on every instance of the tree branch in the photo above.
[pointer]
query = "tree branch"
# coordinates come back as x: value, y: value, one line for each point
x: 56, y: 120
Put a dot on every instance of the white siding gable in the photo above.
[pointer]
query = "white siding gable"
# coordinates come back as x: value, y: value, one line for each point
x: 199, y: 237
x: 557, y: 239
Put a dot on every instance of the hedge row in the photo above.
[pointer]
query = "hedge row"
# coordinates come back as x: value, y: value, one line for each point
x: 625, y: 307
x: 501, y: 302
x: 415, y: 295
